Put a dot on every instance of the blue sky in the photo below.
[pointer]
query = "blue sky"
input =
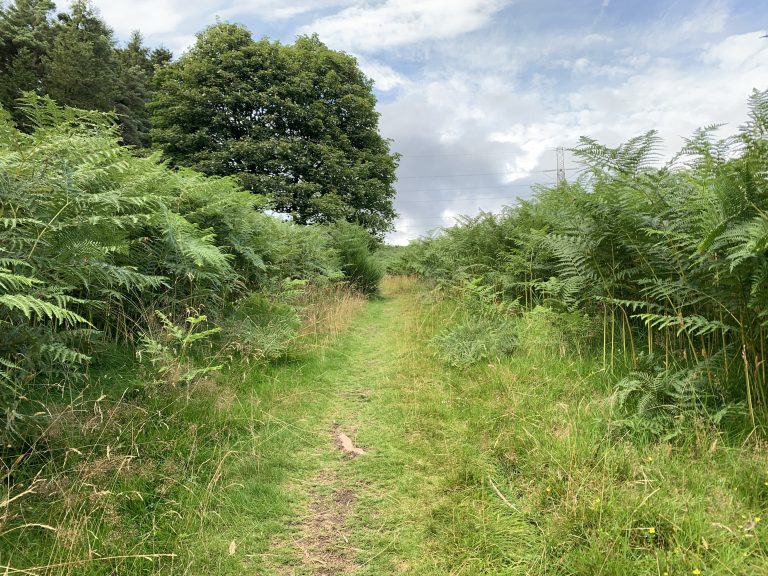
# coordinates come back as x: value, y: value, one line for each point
x: 477, y: 94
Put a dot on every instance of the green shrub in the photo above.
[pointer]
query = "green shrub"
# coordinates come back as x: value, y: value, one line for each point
x: 475, y: 339
x: 486, y: 329
x: 354, y: 247
x: 261, y: 327
x: 169, y: 350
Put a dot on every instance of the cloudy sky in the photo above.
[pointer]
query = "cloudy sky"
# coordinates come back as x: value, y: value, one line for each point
x: 477, y: 94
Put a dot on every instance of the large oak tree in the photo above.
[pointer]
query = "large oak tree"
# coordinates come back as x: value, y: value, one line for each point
x: 296, y: 123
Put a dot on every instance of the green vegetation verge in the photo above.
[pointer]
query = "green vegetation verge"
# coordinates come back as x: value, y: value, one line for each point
x: 509, y: 466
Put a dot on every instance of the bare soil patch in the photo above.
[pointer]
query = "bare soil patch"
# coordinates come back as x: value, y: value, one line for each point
x: 323, y: 540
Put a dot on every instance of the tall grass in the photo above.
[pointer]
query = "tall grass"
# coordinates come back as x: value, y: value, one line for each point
x: 670, y: 256
x: 128, y: 477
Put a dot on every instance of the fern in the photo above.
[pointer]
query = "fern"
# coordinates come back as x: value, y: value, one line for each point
x: 92, y: 236
x: 672, y: 256
x: 37, y: 309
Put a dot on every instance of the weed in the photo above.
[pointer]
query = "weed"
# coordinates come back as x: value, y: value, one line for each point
x: 170, y: 350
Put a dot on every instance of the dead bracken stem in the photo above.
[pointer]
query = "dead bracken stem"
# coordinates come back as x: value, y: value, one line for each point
x: 36, y: 569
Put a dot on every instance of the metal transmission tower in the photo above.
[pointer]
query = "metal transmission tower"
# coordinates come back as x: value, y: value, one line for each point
x: 560, y: 165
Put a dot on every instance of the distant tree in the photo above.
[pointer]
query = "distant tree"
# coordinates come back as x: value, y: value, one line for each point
x: 74, y: 59
x: 26, y: 35
x: 136, y: 67
x: 296, y: 123
x: 135, y: 54
x: 81, y: 68
x: 160, y: 57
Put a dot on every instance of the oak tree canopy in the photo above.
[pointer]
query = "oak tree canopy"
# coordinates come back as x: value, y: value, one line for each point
x: 296, y: 123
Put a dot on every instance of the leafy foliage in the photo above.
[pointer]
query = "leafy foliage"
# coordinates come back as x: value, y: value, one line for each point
x: 354, y: 246
x: 474, y: 340
x: 295, y: 122
x: 260, y: 327
x: 95, y: 241
x: 671, y: 256
x: 169, y: 351
x: 74, y: 58
x: 485, y: 330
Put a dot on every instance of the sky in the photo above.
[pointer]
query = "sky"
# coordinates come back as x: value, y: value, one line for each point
x: 477, y: 95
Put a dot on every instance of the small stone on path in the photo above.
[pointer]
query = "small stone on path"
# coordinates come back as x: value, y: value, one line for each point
x: 348, y: 446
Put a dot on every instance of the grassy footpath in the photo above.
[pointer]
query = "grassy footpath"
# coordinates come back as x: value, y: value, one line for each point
x: 507, y: 468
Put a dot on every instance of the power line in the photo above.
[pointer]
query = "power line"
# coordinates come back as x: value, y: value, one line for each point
x: 463, y: 188
x: 459, y: 199
x: 452, y: 155
x: 478, y: 174
x: 452, y: 175
x: 437, y: 222
x: 442, y: 218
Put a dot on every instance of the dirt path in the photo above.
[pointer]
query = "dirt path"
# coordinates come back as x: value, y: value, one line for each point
x: 338, y: 527
x: 368, y: 458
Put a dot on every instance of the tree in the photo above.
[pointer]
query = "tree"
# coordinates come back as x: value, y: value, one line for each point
x: 296, y: 123
x: 136, y: 67
x: 81, y: 68
x: 74, y: 59
x: 26, y: 34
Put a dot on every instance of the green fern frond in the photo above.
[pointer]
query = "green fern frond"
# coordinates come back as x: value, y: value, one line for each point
x: 37, y: 309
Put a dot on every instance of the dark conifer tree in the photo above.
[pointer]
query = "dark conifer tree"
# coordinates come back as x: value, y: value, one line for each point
x: 26, y: 35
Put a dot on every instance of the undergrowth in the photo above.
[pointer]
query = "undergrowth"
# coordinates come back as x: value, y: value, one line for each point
x: 129, y: 475
x: 535, y: 470
x: 667, y: 256
x: 127, y: 291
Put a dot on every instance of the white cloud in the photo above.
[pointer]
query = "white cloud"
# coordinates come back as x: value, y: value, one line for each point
x: 149, y: 16
x: 406, y: 229
x: 580, y: 65
x: 671, y: 32
x: 273, y: 10
x: 384, y: 77
x: 677, y: 98
x: 450, y: 216
x: 743, y: 51
x: 710, y: 19
x: 532, y: 142
x: 592, y: 39
x: 366, y: 27
x: 180, y: 44
x: 174, y: 22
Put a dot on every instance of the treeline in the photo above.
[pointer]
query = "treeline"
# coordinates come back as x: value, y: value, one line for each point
x: 74, y: 58
x: 293, y: 122
x: 669, y: 260
x: 98, y: 246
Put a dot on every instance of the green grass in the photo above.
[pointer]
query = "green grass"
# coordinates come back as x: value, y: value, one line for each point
x: 508, y: 467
